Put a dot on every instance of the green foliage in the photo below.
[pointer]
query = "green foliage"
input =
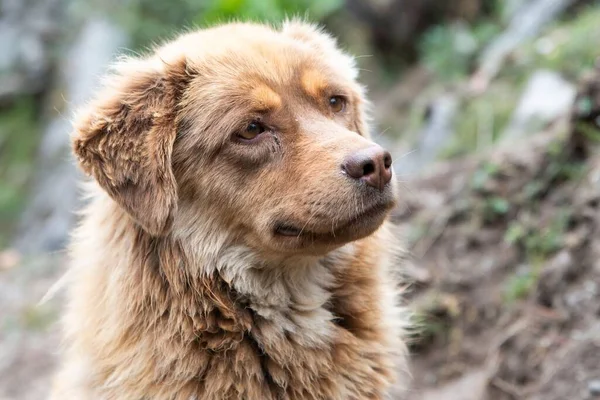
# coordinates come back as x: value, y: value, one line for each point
x: 432, y: 319
x: 561, y: 166
x: 428, y: 328
x: 482, y: 119
x: 269, y: 10
x: 151, y: 20
x: 483, y: 174
x: 539, y: 242
x: 566, y: 171
x: 568, y: 46
x: 514, y: 233
x: 449, y: 50
x: 550, y: 239
x: 492, y: 207
x: 520, y: 285
x: 495, y: 207
x: 19, y: 135
x: 564, y: 48
x: 591, y: 132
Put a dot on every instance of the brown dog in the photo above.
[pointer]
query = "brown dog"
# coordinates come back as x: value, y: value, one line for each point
x: 236, y: 243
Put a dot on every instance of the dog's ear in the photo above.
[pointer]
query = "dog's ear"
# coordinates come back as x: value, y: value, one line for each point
x: 124, y: 139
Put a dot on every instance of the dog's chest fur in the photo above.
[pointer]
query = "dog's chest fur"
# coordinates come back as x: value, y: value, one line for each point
x: 148, y: 325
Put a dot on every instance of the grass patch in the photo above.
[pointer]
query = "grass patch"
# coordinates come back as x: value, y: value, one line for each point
x: 538, y: 244
x: 518, y: 286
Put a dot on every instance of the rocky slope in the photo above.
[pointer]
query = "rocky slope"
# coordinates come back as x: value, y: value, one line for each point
x: 507, y: 283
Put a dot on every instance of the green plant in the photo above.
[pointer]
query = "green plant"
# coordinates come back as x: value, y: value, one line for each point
x: 269, y: 10
x: 564, y: 47
x: 591, y: 132
x: 151, y: 20
x: 494, y: 207
x: 19, y: 136
x: 514, y: 232
x: 483, y: 174
x: 519, y: 286
x: 449, y: 50
x: 539, y: 242
x: 428, y: 329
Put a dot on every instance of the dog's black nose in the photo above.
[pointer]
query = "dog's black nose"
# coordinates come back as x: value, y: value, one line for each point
x: 372, y: 165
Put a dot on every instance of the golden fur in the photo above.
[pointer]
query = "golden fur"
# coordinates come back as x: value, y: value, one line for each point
x: 180, y: 287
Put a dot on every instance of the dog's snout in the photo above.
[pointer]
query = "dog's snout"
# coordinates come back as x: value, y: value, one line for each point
x: 372, y: 165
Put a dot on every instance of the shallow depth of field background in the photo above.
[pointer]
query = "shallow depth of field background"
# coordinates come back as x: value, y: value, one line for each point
x: 491, y: 110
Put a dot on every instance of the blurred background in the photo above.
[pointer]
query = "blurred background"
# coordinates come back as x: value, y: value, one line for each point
x: 491, y: 110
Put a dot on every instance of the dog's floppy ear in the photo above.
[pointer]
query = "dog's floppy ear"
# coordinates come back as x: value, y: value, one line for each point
x: 124, y: 139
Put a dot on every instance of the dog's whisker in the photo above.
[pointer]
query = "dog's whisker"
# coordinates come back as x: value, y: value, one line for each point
x: 406, y: 154
x: 317, y: 210
x: 381, y: 133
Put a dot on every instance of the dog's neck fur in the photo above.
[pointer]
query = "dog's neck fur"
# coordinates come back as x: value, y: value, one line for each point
x: 146, y: 318
x: 291, y: 292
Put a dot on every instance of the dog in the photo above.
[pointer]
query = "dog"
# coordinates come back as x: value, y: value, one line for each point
x: 236, y: 242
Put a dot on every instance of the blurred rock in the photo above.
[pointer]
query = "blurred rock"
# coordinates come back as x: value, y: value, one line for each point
x: 50, y: 214
x: 26, y: 28
x: 547, y: 96
x: 594, y: 387
x: 433, y: 138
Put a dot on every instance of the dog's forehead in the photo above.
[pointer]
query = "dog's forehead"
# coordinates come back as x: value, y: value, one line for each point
x: 231, y: 51
x: 241, y: 69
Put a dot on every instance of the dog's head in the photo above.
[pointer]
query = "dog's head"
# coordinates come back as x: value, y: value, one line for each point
x: 263, y: 131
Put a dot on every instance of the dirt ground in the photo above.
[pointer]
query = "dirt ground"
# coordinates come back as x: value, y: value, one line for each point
x: 507, y: 268
x: 505, y: 281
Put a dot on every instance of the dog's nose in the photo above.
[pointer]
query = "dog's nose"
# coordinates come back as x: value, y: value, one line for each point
x: 372, y: 165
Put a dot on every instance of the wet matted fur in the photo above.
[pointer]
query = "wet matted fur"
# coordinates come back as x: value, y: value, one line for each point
x: 223, y: 253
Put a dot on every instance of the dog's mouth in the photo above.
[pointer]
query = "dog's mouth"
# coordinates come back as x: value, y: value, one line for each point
x: 364, y: 220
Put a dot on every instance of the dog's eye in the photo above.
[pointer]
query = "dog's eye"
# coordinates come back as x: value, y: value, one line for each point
x: 252, y: 130
x: 337, y: 103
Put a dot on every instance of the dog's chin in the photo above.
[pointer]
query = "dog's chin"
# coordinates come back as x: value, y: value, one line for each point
x: 302, y: 237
